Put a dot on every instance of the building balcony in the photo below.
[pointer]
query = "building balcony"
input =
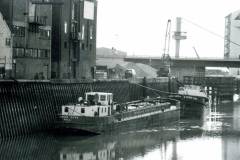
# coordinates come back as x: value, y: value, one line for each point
x: 38, y: 20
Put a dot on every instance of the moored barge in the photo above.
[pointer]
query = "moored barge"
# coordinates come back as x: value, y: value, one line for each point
x: 98, y: 113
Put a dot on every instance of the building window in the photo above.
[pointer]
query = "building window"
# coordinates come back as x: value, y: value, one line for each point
x: 82, y: 110
x: 34, y: 53
x: 66, y: 109
x: 73, y: 11
x: 21, y: 52
x: 83, y: 32
x: 103, y: 98
x: 19, y: 31
x: 8, y: 42
x: 28, y: 53
x: 44, y: 34
x: 43, y: 53
x: 65, y: 28
x: 46, y: 54
x: 18, y: 52
x: 91, y: 32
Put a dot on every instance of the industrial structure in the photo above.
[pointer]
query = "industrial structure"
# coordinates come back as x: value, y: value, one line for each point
x: 74, y: 42
x: 178, y: 36
x: 231, y: 38
x: 181, y: 67
x: 52, y: 39
x: 30, y: 25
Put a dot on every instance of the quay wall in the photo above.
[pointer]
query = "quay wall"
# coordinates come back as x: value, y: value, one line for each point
x: 29, y: 107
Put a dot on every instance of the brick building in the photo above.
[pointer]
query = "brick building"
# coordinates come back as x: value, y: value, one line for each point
x: 52, y: 38
x: 30, y: 25
x: 74, y: 39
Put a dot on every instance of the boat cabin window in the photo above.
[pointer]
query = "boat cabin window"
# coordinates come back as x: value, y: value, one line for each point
x: 90, y: 97
x: 82, y: 110
x: 93, y: 99
x: 66, y: 109
x: 103, y: 98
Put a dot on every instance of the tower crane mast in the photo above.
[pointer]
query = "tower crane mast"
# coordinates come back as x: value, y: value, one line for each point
x: 167, y: 40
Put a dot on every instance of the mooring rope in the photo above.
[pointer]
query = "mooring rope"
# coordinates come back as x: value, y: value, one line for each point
x: 171, y: 93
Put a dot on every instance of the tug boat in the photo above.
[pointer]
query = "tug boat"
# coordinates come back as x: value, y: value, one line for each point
x: 193, y: 90
x: 98, y: 113
x: 193, y: 99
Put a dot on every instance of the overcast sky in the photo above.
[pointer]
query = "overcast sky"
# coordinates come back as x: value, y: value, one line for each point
x: 138, y: 26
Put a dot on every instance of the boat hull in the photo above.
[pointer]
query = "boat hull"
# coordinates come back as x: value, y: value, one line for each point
x: 191, y: 106
x: 99, y: 125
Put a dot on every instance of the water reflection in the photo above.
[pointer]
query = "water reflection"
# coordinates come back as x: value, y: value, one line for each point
x: 120, y: 146
x: 215, y: 137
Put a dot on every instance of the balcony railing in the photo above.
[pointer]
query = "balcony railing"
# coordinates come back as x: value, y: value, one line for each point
x: 38, y: 20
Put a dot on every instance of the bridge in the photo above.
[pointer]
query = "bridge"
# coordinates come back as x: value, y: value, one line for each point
x: 203, y: 62
x: 181, y: 67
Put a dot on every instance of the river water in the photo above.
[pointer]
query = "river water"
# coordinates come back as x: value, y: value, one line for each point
x: 214, y: 137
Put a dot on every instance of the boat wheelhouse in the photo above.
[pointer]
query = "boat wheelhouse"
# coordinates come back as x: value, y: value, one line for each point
x: 97, y: 104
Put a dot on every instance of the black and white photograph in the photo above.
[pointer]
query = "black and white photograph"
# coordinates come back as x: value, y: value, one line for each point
x: 119, y: 80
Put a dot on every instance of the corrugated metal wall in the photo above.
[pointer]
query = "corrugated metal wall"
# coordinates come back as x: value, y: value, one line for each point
x: 29, y: 107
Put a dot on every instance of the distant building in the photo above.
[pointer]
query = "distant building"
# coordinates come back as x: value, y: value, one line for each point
x: 232, y: 38
x: 74, y: 39
x: 116, y: 66
x: 5, y: 49
x: 31, y: 28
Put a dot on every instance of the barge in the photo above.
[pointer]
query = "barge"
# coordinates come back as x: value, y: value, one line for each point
x: 98, y: 113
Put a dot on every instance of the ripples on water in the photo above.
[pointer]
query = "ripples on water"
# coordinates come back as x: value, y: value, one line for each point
x: 214, y: 137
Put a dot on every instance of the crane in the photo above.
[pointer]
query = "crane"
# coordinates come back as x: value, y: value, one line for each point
x: 165, y: 69
x: 167, y: 40
x: 196, y: 53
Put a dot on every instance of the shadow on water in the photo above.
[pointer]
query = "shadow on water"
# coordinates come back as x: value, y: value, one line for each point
x: 214, y: 137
